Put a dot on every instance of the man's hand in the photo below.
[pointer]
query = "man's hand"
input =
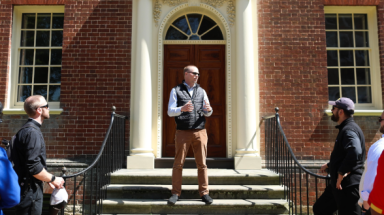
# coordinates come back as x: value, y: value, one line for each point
x: 207, y: 106
x: 187, y: 107
x: 366, y: 205
x: 323, y: 167
x: 57, y: 183
x: 339, y: 179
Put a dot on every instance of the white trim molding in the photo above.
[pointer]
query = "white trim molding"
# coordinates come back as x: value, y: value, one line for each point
x: 195, y: 42
x: 361, y: 112
x: 19, y: 111
x: 157, y: 9
x: 14, y: 106
x: 375, y: 107
x: 225, y: 27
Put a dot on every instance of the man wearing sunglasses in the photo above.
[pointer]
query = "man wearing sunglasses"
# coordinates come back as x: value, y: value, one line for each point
x: 189, y: 105
x: 373, y: 156
x: 346, y: 164
x: 29, y: 158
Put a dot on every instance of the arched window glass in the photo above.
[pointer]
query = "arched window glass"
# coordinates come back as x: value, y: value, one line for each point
x: 194, y: 27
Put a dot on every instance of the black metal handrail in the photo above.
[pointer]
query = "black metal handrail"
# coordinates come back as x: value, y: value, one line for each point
x: 297, y: 180
x: 91, y: 183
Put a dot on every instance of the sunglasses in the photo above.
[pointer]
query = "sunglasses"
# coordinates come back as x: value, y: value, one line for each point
x: 195, y: 73
x: 333, y: 107
x: 380, y: 119
x: 45, y: 106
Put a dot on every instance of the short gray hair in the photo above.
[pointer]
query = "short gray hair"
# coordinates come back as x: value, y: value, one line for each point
x: 32, y: 103
x: 187, y: 68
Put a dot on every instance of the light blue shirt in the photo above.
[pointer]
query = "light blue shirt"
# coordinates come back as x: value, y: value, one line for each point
x: 372, y: 158
x: 173, y: 110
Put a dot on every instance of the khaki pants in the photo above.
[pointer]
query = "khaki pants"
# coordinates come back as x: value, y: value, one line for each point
x: 184, y: 139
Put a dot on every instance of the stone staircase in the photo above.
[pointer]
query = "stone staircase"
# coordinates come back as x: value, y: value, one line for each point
x: 233, y: 192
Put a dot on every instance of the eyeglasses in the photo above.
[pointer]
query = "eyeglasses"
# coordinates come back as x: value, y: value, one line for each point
x: 380, y: 119
x: 45, y: 106
x: 195, y: 73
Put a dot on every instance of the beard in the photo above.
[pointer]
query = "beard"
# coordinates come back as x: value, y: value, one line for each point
x: 335, y: 118
x: 382, y: 129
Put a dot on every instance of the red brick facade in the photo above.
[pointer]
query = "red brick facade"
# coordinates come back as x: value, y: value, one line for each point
x: 293, y: 73
x: 95, y: 73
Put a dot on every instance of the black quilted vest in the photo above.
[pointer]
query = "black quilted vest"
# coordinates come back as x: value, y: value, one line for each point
x: 196, y: 118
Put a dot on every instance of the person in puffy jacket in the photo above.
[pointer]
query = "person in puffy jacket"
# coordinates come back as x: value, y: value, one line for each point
x: 189, y: 105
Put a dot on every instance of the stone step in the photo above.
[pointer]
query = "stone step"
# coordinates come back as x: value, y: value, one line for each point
x: 195, y: 206
x: 215, y: 177
x: 121, y: 191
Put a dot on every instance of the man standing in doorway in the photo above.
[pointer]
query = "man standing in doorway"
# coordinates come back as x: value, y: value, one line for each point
x: 189, y: 104
x: 346, y: 164
x: 29, y: 157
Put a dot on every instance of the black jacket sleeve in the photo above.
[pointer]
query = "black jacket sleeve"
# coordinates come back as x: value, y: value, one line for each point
x: 353, y: 151
x: 33, y: 152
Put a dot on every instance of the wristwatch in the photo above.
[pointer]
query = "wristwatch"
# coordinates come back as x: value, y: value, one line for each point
x: 53, y: 178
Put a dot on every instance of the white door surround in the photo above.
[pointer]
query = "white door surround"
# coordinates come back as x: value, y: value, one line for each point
x: 241, y: 73
x: 163, y: 27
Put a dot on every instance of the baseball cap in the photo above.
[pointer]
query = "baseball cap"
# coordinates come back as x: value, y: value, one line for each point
x: 344, y: 103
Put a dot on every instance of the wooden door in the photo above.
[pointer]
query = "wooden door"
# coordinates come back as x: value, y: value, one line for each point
x: 210, y: 60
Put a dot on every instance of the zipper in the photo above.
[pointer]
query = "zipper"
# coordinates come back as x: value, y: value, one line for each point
x: 192, y: 99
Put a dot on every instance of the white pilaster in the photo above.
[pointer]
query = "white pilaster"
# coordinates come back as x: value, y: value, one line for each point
x: 141, y: 155
x: 246, y: 155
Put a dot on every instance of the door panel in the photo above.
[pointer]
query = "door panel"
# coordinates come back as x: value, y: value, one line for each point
x: 210, y: 59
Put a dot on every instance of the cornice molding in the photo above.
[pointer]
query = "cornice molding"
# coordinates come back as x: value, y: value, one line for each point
x: 157, y: 9
x: 194, y: 42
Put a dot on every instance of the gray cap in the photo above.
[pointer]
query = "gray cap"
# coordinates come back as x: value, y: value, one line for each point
x: 344, y: 103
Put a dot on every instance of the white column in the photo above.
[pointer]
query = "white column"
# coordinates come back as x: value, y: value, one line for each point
x: 141, y: 155
x: 246, y: 155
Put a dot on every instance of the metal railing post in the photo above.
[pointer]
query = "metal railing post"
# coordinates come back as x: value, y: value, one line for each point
x: 108, y: 160
x: 279, y: 158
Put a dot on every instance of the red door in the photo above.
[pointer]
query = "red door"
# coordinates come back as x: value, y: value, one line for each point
x: 210, y: 60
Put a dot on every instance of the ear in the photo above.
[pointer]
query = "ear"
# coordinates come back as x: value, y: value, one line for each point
x: 39, y: 110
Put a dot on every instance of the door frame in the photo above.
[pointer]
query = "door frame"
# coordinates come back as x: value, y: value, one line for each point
x: 225, y: 28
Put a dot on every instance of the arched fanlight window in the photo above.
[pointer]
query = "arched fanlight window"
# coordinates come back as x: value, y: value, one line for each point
x: 194, y: 27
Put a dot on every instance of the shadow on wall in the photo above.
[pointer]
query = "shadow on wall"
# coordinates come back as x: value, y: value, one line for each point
x: 325, y: 132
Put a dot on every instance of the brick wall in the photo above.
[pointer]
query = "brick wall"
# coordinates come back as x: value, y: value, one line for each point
x: 95, y: 73
x: 5, y: 44
x: 293, y: 73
